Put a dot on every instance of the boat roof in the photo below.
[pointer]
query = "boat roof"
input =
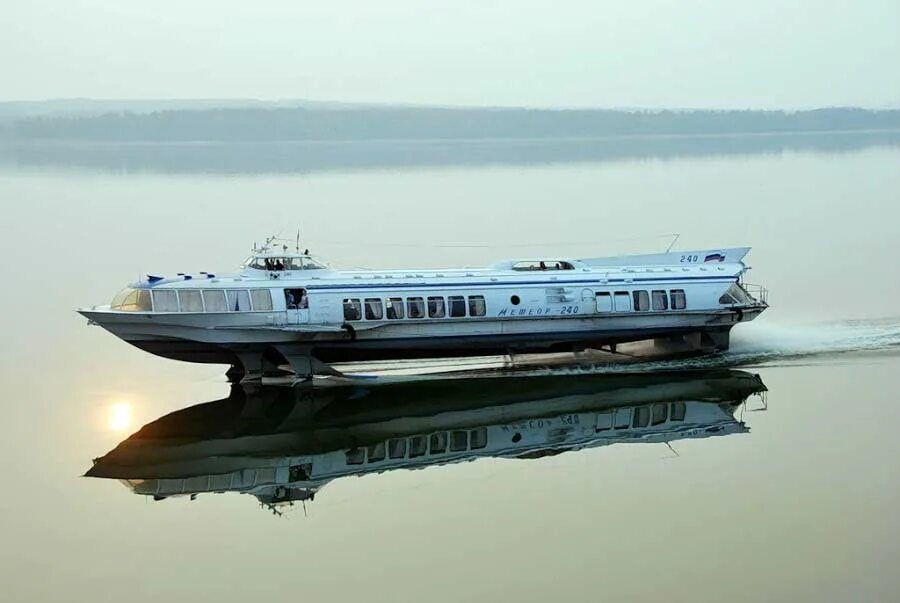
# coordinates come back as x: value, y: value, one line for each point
x: 303, y: 267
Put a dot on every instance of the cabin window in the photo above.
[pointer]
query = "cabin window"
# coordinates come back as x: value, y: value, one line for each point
x: 132, y: 300
x: 142, y: 303
x: 397, y: 448
x: 436, y: 307
x: 214, y: 300
x: 394, y: 308
x: 457, y: 306
x: 165, y: 301
x: 238, y: 300
x: 622, y: 301
x: 376, y: 452
x: 604, y: 302
x: 352, y: 309
x: 437, y: 443
x: 417, y: 446
x: 374, y: 309
x: 356, y: 456
x: 623, y: 418
x: 641, y: 301
x: 679, y: 301
x: 660, y: 301
x: 604, y: 421
x: 477, y: 306
x: 459, y: 440
x: 415, y: 307
x: 297, y: 473
x: 296, y: 299
x: 262, y: 300
x: 660, y: 414
x: 191, y: 301
x: 515, y: 300
x: 679, y: 409
x: 641, y: 416
x: 478, y: 438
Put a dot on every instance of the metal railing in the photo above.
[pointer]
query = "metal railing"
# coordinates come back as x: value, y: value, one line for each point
x: 757, y: 292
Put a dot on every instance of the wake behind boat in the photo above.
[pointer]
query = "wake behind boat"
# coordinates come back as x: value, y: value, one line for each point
x: 288, y: 308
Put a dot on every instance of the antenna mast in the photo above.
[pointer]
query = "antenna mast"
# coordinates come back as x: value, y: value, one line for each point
x: 672, y: 244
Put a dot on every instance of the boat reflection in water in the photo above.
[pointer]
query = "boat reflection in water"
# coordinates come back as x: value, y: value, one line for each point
x: 282, y: 444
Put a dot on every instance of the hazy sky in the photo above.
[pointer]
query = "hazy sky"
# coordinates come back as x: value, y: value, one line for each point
x: 766, y: 53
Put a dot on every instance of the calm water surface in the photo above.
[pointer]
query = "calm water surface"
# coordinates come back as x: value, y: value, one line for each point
x: 800, y: 505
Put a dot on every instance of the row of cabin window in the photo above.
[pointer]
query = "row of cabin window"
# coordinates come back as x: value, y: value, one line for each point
x: 395, y: 308
x: 641, y: 301
x: 642, y: 416
x: 212, y: 300
x: 419, y: 445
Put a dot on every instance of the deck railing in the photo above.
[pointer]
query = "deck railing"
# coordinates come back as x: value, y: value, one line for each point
x: 757, y: 292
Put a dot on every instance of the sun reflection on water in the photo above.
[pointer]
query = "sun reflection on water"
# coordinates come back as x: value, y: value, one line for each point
x: 119, y: 416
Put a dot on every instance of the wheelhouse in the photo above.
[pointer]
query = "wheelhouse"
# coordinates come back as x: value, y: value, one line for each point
x: 285, y: 262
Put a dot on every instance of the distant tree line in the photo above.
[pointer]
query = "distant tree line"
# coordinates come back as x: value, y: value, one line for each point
x: 360, y: 124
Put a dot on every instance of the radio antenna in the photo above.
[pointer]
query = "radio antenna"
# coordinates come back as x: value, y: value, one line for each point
x: 672, y: 244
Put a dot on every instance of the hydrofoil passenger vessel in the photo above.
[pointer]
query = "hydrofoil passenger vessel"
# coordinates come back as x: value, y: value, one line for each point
x: 288, y: 308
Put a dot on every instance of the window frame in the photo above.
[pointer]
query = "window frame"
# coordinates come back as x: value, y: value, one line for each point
x: 456, y: 300
x: 260, y: 292
x: 237, y: 298
x: 656, y: 295
x: 676, y: 294
x: 415, y: 451
x: 391, y: 305
x: 165, y: 292
x: 606, y: 295
x: 190, y: 292
x: 621, y: 295
x: 353, y: 304
x: 438, y: 299
x: 376, y: 452
x: 419, y: 304
x: 640, y: 300
x: 640, y: 417
x: 452, y: 445
x: 478, y: 438
x: 401, y: 448
x: 471, y: 305
x: 373, y: 302
x: 352, y: 455
x: 441, y: 437
x: 132, y: 300
x: 218, y: 293
x: 655, y: 418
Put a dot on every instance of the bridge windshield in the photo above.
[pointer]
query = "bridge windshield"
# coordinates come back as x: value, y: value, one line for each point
x: 280, y: 263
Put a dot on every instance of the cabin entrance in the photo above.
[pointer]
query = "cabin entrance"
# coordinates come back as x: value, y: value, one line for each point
x: 296, y: 303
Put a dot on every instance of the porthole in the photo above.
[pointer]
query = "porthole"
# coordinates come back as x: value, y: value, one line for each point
x: 517, y: 437
x: 514, y: 300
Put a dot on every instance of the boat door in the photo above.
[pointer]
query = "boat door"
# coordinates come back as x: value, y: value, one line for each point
x: 587, y: 300
x: 296, y: 303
